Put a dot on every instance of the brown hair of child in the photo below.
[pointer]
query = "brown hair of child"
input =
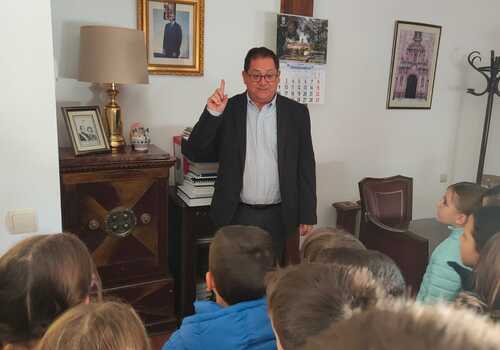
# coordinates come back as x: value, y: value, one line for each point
x: 239, y: 258
x: 40, y: 278
x: 324, y: 238
x: 305, y: 299
x: 467, y: 196
x: 485, y: 298
x: 383, y: 268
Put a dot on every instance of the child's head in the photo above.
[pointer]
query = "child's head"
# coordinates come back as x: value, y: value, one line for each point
x: 410, y: 326
x: 458, y: 202
x: 305, y: 299
x: 324, y: 238
x: 481, y: 226
x: 239, y: 258
x: 487, y: 274
x: 491, y: 198
x: 383, y: 268
x: 96, y: 326
x: 40, y: 278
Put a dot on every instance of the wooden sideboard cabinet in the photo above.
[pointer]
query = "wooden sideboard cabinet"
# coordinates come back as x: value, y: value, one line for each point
x: 191, y: 231
x: 116, y: 203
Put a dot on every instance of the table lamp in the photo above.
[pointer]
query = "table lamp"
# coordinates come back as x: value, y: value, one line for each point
x: 112, y: 56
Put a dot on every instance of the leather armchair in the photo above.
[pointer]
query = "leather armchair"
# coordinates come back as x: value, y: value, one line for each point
x: 386, y: 209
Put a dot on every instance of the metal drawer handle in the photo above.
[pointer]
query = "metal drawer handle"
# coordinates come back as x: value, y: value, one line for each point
x: 120, y: 222
x: 146, y: 218
x: 93, y: 224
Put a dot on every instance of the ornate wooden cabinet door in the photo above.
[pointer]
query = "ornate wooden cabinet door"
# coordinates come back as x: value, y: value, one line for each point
x: 116, y: 203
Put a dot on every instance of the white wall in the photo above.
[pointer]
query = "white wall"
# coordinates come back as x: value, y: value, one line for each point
x: 28, y: 146
x: 354, y: 135
x: 367, y: 139
x: 492, y: 159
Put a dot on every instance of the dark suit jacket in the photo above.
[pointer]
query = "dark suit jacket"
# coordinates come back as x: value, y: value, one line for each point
x: 223, y: 139
x: 172, y: 39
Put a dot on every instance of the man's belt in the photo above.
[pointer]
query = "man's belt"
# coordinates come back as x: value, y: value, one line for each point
x: 259, y: 206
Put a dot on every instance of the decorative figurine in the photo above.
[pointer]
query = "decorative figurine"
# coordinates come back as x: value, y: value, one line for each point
x: 139, y: 137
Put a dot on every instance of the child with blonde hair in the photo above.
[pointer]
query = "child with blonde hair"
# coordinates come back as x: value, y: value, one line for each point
x: 40, y: 278
x: 97, y: 326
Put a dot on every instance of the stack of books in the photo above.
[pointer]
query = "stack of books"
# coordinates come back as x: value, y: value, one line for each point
x: 186, y: 132
x: 198, y: 186
x: 195, y: 181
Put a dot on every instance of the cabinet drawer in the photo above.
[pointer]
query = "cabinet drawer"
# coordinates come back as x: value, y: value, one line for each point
x: 153, y: 301
x: 199, y: 223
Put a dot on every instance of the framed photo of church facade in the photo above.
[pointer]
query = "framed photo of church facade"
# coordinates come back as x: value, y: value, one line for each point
x: 173, y: 30
x: 413, y: 66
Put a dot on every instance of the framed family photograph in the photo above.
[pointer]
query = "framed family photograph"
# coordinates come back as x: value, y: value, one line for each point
x: 86, y: 129
x: 413, y: 67
x: 174, y: 35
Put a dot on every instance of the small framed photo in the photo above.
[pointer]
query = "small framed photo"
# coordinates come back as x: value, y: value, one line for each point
x: 413, y: 67
x: 173, y: 31
x: 86, y: 130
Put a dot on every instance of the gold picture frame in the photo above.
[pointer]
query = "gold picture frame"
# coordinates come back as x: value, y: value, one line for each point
x: 173, y: 31
x: 86, y: 129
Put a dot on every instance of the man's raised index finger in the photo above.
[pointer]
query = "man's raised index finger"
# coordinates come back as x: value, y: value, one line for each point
x: 222, y: 86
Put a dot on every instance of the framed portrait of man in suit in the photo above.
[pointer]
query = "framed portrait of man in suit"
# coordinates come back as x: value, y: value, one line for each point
x: 174, y: 35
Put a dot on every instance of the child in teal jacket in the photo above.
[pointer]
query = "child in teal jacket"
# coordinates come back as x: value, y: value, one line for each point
x: 441, y: 281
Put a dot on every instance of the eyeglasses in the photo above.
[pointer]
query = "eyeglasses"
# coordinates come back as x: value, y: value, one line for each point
x: 270, y: 78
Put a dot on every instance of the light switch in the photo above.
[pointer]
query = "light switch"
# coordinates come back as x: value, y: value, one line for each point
x: 22, y: 221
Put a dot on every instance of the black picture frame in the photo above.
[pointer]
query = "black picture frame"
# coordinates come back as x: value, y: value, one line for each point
x: 413, y: 65
x: 86, y: 129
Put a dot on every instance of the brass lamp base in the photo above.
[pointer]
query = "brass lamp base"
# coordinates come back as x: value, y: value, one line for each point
x: 112, y: 111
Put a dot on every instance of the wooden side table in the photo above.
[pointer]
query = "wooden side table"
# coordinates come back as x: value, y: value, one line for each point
x: 347, y: 213
x: 116, y: 203
x: 191, y: 231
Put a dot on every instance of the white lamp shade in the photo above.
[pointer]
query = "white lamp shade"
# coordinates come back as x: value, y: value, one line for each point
x: 112, y: 55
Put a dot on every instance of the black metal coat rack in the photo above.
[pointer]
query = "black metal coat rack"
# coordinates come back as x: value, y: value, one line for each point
x: 491, y: 74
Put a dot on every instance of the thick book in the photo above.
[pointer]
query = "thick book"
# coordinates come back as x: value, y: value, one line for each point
x: 194, y: 202
x: 196, y: 192
x: 203, y: 168
x: 183, y: 165
x: 202, y: 183
x: 198, y: 177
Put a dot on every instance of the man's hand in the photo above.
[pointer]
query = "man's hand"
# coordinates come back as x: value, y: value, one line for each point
x: 305, y: 229
x: 218, y: 101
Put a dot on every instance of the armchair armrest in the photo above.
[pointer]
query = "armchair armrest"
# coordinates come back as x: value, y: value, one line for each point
x: 383, y: 226
x: 408, y: 250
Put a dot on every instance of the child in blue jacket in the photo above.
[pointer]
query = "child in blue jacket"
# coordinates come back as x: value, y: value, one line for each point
x: 239, y: 258
x: 441, y: 281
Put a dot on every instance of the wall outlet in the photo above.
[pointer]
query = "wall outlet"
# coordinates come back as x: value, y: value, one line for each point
x: 22, y: 221
x: 443, y: 178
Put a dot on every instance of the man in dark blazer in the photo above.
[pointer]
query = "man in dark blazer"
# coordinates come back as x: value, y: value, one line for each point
x: 172, y: 36
x: 262, y: 142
